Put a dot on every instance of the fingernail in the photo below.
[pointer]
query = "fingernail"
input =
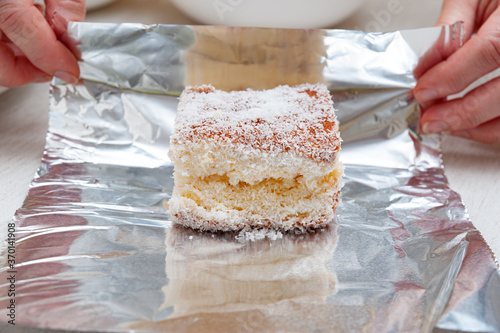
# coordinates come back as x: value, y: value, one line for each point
x: 436, y: 126
x: 462, y: 134
x: 66, y: 77
x: 41, y: 79
x: 426, y: 95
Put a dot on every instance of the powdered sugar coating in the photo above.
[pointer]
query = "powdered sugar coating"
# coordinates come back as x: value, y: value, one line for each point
x: 298, y: 119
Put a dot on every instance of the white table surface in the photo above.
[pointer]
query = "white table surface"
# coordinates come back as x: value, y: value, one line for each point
x: 473, y: 169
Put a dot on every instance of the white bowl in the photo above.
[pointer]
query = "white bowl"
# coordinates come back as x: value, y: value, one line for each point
x: 95, y: 4
x: 270, y: 13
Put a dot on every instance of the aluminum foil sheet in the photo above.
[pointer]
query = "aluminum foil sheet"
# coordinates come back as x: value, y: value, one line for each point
x: 96, y: 251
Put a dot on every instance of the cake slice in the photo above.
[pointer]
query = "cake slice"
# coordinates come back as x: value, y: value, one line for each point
x: 255, y: 158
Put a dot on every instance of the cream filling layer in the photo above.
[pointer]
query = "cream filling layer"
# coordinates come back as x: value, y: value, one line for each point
x: 214, y: 198
x: 247, y: 165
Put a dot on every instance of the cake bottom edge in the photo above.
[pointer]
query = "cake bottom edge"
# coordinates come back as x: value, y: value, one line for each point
x: 188, y: 214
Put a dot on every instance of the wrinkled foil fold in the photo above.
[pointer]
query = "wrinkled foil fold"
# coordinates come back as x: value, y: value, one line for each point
x: 95, y: 245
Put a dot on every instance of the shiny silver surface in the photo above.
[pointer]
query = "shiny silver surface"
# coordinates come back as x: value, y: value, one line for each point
x: 96, y: 249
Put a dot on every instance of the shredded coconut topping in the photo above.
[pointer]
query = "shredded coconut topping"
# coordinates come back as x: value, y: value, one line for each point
x: 256, y: 234
x: 299, y: 119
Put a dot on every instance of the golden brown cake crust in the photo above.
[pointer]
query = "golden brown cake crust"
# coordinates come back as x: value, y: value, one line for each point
x: 302, y: 121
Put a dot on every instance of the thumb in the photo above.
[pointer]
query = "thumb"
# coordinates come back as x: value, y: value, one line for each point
x: 26, y: 27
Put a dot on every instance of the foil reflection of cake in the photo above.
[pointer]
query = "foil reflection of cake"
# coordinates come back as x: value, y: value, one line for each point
x: 217, y: 273
x: 239, y: 58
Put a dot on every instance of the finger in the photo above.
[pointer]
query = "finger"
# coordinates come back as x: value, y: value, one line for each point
x: 459, y: 10
x: 449, y: 41
x: 486, y: 133
x: 60, y: 26
x: 477, y: 107
x: 23, y: 24
x: 71, y: 10
x: 40, y: 5
x: 18, y: 70
x: 62, y: 11
x: 14, y: 48
x: 479, y: 56
x: 452, y: 11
